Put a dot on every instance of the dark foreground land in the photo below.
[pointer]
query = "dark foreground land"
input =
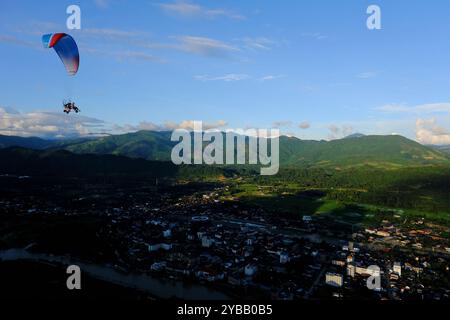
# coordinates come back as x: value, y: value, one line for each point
x: 24, y: 280
x: 225, y: 238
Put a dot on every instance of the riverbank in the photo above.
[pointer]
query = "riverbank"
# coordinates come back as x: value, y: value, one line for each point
x: 147, y: 284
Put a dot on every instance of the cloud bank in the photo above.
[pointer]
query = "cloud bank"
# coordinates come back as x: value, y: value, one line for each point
x: 47, y: 124
x: 428, y: 131
x: 52, y: 125
x: 419, y: 109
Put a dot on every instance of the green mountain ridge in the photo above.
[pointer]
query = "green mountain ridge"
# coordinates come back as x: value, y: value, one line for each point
x: 31, y: 142
x: 22, y: 161
x: 149, y: 145
x: 379, y: 151
x: 445, y: 149
x: 357, y: 150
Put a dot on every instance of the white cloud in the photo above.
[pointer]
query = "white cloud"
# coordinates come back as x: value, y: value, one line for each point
x: 313, y: 35
x: 46, y: 124
x: 339, y: 132
x: 189, y: 125
x: 236, y: 77
x: 104, y: 34
x: 187, y: 43
x: 205, y: 46
x: 428, y: 131
x: 271, y: 77
x: 367, y: 75
x: 103, y: 4
x: 189, y: 9
x: 304, y: 125
x: 166, y: 126
x: 227, y: 78
x: 197, y: 45
x: 259, y: 43
x: 58, y: 125
x: 111, y: 33
x: 144, y: 125
x: 418, y: 109
x: 9, y: 39
x: 123, y: 44
x: 307, y: 89
x: 282, y: 124
x: 127, y: 55
x: 37, y: 28
x: 138, y: 55
x: 120, y: 41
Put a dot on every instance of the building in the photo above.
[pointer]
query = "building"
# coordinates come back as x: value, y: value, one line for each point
x: 159, y: 246
x: 339, y: 263
x: 350, y: 246
x: 250, y: 270
x: 397, y: 268
x: 207, y: 242
x: 284, y: 258
x: 373, y: 271
x: 382, y: 233
x: 158, y: 266
x: 199, y: 219
x: 351, y: 270
x: 334, y: 279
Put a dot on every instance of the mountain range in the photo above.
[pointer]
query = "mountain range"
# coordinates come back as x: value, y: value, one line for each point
x: 23, y: 161
x: 356, y: 150
x: 444, y: 149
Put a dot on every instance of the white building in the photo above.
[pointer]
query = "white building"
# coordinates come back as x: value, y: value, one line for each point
x: 397, y: 268
x: 351, y: 270
x: 334, y: 279
x: 373, y: 271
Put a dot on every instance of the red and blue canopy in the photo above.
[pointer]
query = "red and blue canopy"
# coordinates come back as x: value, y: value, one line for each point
x: 66, y: 48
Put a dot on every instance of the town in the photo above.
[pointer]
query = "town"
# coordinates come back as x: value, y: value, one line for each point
x: 191, y: 233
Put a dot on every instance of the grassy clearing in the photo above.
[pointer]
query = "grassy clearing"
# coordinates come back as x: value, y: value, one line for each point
x: 295, y: 200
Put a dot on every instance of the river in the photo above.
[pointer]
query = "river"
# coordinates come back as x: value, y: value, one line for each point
x: 152, y: 285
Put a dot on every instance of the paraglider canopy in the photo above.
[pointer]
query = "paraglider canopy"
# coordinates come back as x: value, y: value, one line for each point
x: 66, y: 48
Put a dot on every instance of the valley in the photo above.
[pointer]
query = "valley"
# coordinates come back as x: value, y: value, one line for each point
x: 232, y: 231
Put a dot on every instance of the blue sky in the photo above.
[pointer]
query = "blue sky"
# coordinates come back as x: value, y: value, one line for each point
x: 311, y: 68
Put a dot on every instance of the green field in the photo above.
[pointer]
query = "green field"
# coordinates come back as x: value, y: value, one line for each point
x: 294, y: 199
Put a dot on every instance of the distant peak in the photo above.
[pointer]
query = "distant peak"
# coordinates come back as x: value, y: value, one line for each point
x: 355, y: 135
